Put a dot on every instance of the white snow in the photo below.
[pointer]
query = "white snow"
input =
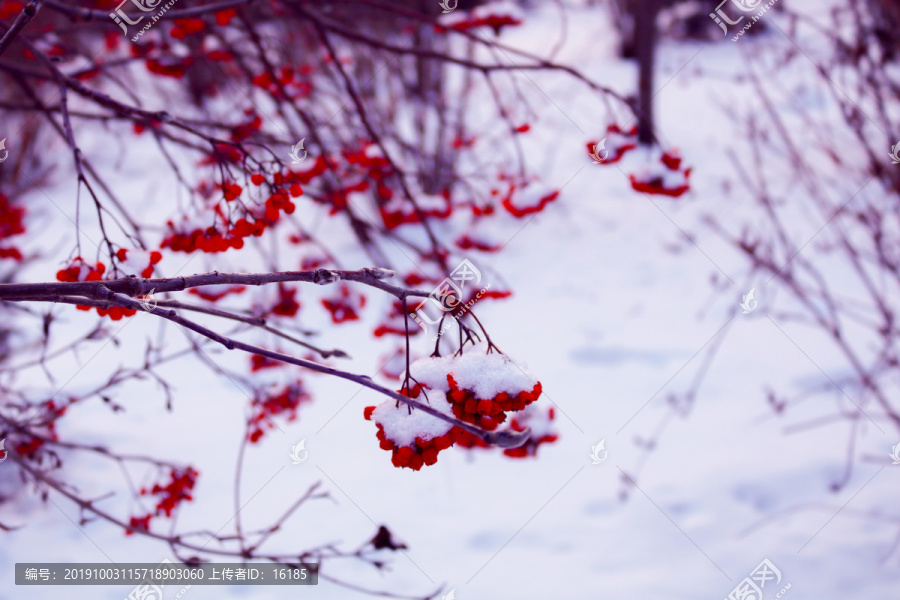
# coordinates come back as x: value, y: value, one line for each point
x: 402, y: 424
x: 487, y: 375
x: 609, y: 317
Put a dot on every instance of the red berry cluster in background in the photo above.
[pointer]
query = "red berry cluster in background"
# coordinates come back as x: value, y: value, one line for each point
x: 283, y: 402
x: 45, y: 419
x: 139, y: 260
x: 345, y: 306
x: 614, y: 146
x: 538, y: 437
x: 487, y: 413
x: 286, y: 305
x: 214, y: 293
x: 11, y: 224
x: 496, y: 15
x: 540, y: 434
x: 169, y: 496
x: 80, y: 270
x: 229, y: 230
x: 394, y: 323
x: 666, y: 179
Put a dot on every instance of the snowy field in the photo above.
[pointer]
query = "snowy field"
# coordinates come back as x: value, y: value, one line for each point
x: 613, y: 311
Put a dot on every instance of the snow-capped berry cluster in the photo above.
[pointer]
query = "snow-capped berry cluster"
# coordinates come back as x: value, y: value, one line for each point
x: 483, y: 388
x: 138, y: 261
x: 79, y: 269
x: 665, y: 177
x: 614, y: 146
x: 397, y: 210
x: 413, y: 437
x: 476, y: 387
x: 542, y: 432
x: 495, y: 15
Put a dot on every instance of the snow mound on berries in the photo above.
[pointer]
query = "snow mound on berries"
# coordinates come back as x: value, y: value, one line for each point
x: 432, y: 372
x: 487, y: 375
x: 402, y: 427
x: 539, y: 421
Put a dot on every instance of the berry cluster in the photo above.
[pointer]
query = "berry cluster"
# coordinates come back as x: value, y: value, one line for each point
x: 345, y: 306
x: 139, y: 261
x: 487, y: 413
x: 541, y: 433
x: 536, y: 199
x: 215, y: 292
x: 614, y: 146
x: 258, y: 362
x: 81, y: 270
x: 423, y: 451
x: 169, y: 496
x: 666, y: 178
x: 410, y: 447
x: 286, y: 305
x: 11, y: 224
x: 496, y: 15
x: 395, y: 324
x: 255, y: 220
x: 477, y: 388
x: 283, y: 402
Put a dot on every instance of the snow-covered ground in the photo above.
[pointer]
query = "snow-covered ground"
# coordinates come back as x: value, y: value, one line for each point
x: 612, y: 320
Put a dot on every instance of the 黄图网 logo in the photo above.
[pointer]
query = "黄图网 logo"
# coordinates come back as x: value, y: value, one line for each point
x: 148, y: 302
x: 749, y: 302
x: 599, y: 452
x: 723, y: 20
x: 121, y: 18
x: 599, y: 152
x: 295, y: 152
x: 448, y: 5
x: 299, y: 452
